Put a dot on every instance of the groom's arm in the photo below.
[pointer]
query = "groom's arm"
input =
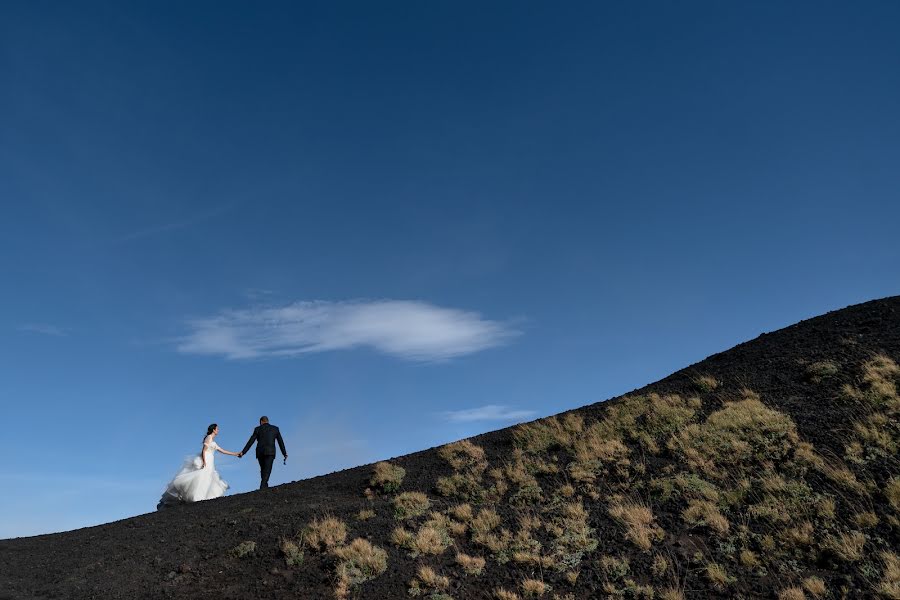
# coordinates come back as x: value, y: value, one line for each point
x: 280, y: 443
x: 251, y: 440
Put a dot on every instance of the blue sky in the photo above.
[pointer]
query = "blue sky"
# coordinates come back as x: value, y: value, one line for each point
x: 388, y: 226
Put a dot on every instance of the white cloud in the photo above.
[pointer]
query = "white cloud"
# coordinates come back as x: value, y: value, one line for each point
x: 256, y: 294
x: 407, y: 329
x: 490, y: 412
x: 43, y: 328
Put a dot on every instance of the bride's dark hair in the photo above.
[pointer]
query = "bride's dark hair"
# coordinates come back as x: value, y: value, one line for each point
x: 210, y: 429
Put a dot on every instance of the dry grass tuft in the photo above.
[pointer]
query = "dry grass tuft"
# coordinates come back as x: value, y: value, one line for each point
x: 866, y: 519
x: 548, y: 434
x: 780, y: 501
x: 629, y: 589
x: 805, y: 454
x: 705, y: 383
x: 638, y: 520
x: 387, y: 477
x: 843, y: 477
x: 792, y: 593
x: 689, y: 486
x: 848, y: 546
x: 826, y: 508
x: 359, y: 561
x: 815, y: 586
x: 596, y: 453
x: 660, y: 565
x: 431, y: 540
x: 463, y: 486
x: 502, y: 594
x: 498, y: 543
x: 456, y: 528
x: 464, y: 456
x: 646, y: 419
x: 365, y: 514
x: 520, y: 472
x: 892, y: 492
x: 462, y: 512
x: 410, y: 504
x: 889, y: 586
x: 798, y: 536
x: 431, y: 579
x: 486, y: 520
x: 534, y: 587
x: 567, y: 490
x: 325, y: 533
x: 880, y: 373
x: 469, y: 464
x: 739, y: 436
x: 704, y: 512
x: 472, y: 565
x: 671, y: 593
x: 718, y: 576
x: 749, y: 559
x: 402, y: 537
x: 875, y: 439
x: 665, y: 415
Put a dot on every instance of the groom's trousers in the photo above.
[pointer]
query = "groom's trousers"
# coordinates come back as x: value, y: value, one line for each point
x: 265, y: 469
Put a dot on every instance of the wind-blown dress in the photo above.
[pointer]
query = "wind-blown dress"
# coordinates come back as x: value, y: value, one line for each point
x: 194, y: 483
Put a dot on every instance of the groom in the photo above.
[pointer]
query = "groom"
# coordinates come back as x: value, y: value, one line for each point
x: 265, y: 435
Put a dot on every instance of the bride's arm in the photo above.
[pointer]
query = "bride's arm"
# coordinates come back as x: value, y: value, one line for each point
x: 224, y: 451
x: 203, y: 451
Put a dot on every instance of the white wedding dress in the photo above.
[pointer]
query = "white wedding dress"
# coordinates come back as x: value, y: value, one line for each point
x: 193, y: 482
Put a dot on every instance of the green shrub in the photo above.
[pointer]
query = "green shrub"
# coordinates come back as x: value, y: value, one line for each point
x: 293, y: 554
x: 820, y: 370
x: 572, y: 536
x: 244, y: 549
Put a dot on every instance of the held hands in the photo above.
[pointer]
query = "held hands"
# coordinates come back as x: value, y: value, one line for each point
x: 241, y: 455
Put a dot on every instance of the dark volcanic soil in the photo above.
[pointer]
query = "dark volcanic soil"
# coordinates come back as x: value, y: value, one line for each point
x: 183, y: 552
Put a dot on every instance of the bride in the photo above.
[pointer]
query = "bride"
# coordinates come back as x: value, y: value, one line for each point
x: 198, y: 478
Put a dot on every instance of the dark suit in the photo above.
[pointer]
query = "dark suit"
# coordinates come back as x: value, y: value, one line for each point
x: 265, y: 437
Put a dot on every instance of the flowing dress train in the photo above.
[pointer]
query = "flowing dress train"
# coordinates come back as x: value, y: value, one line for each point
x: 193, y: 482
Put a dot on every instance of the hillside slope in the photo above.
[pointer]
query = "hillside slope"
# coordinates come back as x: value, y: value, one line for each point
x: 767, y: 471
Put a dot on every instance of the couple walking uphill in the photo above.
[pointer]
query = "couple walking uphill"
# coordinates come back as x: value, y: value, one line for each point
x: 198, y: 479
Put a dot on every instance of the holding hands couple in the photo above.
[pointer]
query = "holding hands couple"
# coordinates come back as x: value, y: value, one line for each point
x: 198, y: 478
